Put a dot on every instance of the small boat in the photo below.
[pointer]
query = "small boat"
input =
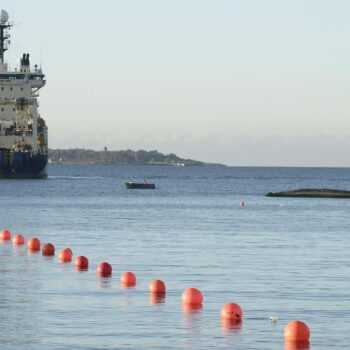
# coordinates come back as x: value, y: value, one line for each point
x: 139, y: 185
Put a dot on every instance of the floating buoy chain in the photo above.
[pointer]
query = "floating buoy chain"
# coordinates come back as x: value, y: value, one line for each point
x: 296, y: 331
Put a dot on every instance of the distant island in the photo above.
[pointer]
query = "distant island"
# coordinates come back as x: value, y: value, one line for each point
x: 126, y: 157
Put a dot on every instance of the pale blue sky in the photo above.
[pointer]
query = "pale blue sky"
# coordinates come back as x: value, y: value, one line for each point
x: 249, y: 82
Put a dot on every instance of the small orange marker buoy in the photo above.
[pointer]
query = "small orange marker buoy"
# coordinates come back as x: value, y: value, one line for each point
x: 242, y: 204
x: 65, y: 255
x: 128, y: 279
x: 5, y: 235
x: 82, y: 262
x: 232, y: 312
x: 34, y: 244
x: 297, y: 331
x: 192, y: 296
x: 18, y: 239
x: 48, y: 249
x: 157, y: 286
x: 104, y: 269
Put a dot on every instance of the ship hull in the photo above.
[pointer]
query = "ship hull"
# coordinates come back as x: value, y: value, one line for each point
x: 139, y: 185
x: 22, y: 165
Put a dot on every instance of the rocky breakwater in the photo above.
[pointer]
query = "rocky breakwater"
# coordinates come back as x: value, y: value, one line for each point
x: 312, y: 193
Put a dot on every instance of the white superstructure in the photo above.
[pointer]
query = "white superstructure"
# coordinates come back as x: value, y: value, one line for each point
x: 20, y: 124
x: 22, y: 130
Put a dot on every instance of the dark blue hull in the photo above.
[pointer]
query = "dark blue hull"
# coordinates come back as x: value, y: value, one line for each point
x: 19, y: 165
x: 140, y: 185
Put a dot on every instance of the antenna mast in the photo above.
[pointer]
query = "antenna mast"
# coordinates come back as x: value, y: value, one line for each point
x: 4, y: 34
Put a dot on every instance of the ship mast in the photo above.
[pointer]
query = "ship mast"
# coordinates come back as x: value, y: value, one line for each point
x: 4, y: 34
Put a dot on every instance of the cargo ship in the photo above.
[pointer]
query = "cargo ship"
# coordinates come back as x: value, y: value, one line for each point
x: 23, y: 132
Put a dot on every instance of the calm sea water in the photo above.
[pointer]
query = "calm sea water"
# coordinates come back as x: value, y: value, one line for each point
x: 274, y: 256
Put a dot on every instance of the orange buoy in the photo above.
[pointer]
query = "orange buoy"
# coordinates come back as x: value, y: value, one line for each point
x: 82, y: 262
x: 297, y: 331
x: 128, y: 278
x: 232, y: 312
x: 157, y: 286
x: 48, y: 249
x: 34, y: 244
x: 5, y: 235
x: 65, y: 255
x: 18, y: 239
x: 104, y: 269
x: 192, y: 296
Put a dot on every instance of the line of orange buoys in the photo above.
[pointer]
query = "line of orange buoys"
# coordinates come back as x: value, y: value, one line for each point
x: 296, y: 333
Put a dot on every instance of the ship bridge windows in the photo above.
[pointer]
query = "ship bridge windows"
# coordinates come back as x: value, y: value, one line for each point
x: 36, y: 77
x: 11, y: 76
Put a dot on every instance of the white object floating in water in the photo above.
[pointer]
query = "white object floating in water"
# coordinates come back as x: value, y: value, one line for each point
x: 273, y: 319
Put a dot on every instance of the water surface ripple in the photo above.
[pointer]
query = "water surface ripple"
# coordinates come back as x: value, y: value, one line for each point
x: 286, y: 257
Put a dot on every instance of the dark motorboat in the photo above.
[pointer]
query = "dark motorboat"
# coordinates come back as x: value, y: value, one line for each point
x: 139, y: 185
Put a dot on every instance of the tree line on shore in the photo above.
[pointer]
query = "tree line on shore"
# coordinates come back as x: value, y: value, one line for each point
x: 140, y: 157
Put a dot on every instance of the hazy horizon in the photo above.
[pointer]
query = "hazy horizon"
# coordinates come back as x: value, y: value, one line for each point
x: 255, y: 83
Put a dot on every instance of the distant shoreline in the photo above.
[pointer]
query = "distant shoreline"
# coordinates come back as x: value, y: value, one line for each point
x: 135, y: 164
x: 122, y: 157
